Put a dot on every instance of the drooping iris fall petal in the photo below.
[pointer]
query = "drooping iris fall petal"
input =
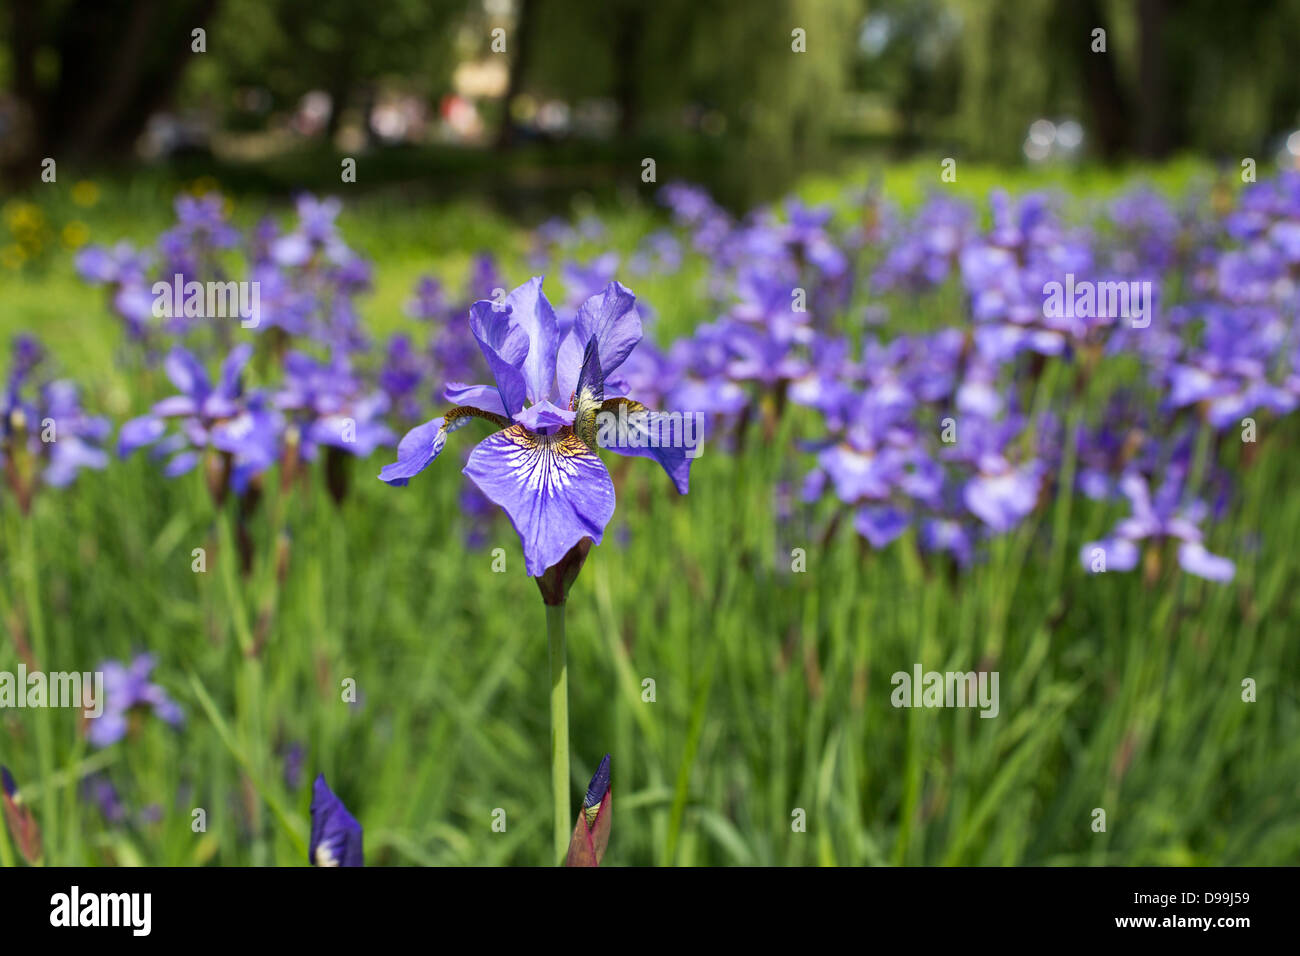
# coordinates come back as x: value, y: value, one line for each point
x: 555, y: 490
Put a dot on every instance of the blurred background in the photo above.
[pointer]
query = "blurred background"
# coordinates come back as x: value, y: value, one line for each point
x: 527, y: 100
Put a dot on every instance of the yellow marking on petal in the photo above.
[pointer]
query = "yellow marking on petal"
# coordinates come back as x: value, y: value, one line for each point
x: 461, y: 414
x: 612, y: 404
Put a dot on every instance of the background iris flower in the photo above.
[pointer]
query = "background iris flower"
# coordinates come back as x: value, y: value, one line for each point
x: 336, y: 837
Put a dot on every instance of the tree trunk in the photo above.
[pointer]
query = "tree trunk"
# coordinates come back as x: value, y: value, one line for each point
x: 1152, y: 100
x: 518, y: 71
x: 1107, y: 105
x: 119, y: 61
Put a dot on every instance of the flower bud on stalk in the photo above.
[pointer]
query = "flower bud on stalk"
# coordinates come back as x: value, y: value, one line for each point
x: 19, y: 816
x: 591, y: 832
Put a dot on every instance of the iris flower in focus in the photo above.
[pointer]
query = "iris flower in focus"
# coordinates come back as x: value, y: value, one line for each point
x: 541, y: 466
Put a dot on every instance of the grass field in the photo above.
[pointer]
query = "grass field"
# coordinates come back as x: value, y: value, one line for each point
x: 771, y: 687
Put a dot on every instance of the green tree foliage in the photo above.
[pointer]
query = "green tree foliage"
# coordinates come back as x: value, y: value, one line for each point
x: 344, y: 47
x: 1192, y: 74
x: 726, y: 68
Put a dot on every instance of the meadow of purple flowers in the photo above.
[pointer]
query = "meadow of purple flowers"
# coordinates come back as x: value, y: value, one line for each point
x: 936, y: 429
x: 938, y: 433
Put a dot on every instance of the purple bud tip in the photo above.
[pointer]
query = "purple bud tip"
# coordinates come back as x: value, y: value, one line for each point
x: 7, y: 780
x: 599, y: 784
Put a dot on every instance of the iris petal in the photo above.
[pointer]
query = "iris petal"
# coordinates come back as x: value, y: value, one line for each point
x: 611, y: 317
x: 485, y: 397
x: 423, y: 443
x: 415, y: 451
x: 670, y: 438
x: 1196, y: 559
x: 139, y: 432
x: 336, y: 836
x: 185, y: 372
x: 505, y: 346
x: 555, y: 490
x: 544, y: 415
x: 531, y: 312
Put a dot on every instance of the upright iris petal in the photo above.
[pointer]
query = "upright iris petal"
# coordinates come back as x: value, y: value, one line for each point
x: 335, y: 833
x: 611, y: 318
x: 505, y: 347
x: 485, y: 397
x: 531, y: 313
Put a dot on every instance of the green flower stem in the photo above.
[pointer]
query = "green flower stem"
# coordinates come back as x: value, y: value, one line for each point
x: 44, y: 717
x: 559, y: 727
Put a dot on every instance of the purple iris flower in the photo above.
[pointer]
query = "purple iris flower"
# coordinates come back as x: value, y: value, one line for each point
x: 403, y: 373
x: 428, y: 301
x: 924, y: 253
x: 484, y: 277
x: 316, y: 234
x: 335, y: 833
x: 332, y: 407
x: 125, y: 272
x: 295, y: 757
x: 77, y: 435
x: 202, y: 231
x: 48, y: 428
x: 541, y: 467
x: 205, y: 415
x: 951, y: 535
x: 583, y: 280
x: 659, y: 253
x: 806, y: 231
x: 1157, y: 518
x: 99, y: 789
x: 127, y: 689
x: 1148, y: 228
x: 119, y: 265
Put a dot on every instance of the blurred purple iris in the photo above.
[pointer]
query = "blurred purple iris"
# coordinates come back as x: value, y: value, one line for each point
x: 331, y: 406
x: 44, y: 431
x: 1156, y: 518
x: 127, y: 688
x: 207, y: 416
